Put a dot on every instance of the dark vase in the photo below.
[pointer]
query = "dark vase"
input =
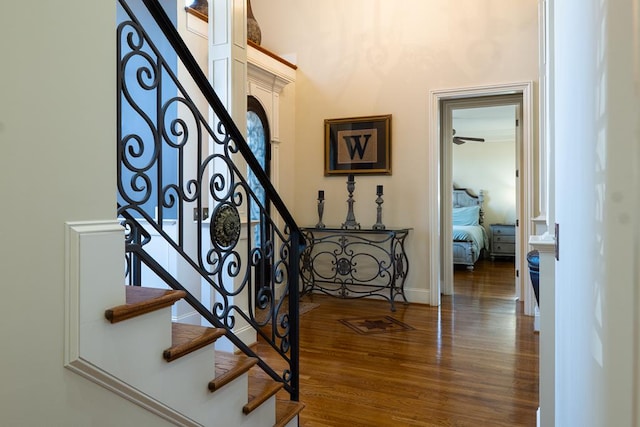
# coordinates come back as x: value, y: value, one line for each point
x: 253, y: 29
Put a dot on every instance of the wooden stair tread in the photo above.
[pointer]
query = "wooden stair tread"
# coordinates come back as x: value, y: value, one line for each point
x: 286, y: 410
x: 260, y: 389
x: 141, y: 300
x: 229, y: 367
x: 187, y: 338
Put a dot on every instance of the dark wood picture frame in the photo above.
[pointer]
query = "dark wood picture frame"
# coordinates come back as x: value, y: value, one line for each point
x: 358, y: 145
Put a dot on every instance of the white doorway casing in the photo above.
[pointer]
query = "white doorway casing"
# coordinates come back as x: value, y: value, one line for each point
x: 441, y: 181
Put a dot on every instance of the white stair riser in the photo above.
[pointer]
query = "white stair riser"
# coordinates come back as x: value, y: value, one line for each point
x: 126, y: 357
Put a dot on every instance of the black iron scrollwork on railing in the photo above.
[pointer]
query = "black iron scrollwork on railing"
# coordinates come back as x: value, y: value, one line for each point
x: 172, y: 163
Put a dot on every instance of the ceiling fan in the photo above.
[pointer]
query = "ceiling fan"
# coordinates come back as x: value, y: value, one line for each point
x: 462, y: 139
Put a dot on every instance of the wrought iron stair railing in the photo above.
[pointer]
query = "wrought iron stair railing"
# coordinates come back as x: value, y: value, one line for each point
x: 177, y: 155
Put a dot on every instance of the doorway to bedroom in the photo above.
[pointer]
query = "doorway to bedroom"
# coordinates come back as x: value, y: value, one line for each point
x: 484, y: 153
x: 518, y: 97
x: 481, y: 148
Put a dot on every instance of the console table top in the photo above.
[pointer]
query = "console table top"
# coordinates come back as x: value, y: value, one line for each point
x: 333, y: 229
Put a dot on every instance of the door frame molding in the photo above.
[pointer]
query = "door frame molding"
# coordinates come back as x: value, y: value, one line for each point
x: 441, y: 179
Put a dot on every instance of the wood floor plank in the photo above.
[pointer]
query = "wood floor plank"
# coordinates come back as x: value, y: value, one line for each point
x: 471, y: 362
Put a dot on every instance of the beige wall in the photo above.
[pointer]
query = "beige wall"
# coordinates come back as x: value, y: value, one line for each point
x: 359, y: 58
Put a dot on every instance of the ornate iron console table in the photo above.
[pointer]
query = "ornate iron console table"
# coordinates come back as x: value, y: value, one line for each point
x: 350, y: 263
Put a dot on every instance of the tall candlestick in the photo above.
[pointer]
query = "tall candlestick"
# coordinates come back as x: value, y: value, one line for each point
x: 379, y: 225
x: 320, y: 224
x: 350, y: 222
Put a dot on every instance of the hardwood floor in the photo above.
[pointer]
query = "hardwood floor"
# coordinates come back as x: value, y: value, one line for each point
x: 471, y: 362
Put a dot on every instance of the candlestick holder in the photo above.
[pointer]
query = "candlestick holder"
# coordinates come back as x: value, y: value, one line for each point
x: 379, y: 225
x: 320, y: 224
x: 350, y: 221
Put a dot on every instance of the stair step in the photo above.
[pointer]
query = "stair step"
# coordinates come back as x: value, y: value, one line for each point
x: 229, y: 367
x: 188, y: 338
x: 286, y: 410
x: 141, y: 300
x: 260, y: 389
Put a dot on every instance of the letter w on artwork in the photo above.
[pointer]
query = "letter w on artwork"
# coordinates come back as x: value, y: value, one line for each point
x: 358, y: 146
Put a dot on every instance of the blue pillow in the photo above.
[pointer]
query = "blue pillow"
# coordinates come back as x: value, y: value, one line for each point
x: 469, y: 215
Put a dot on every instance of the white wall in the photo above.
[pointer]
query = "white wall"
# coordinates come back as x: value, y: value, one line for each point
x: 489, y: 167
x: 359, y: 58
x: 57, y: 133
x: 597, y: 148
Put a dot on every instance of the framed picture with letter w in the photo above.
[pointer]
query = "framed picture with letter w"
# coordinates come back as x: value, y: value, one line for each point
x: 359, y: 145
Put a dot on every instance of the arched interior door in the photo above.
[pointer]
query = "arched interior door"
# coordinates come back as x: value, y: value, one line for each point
x: 259, y: 140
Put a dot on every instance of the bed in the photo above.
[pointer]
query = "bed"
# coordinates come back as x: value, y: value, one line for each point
x: 469, y: 236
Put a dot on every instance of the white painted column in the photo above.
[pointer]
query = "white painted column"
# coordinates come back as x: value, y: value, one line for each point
x: 194, y: 31
x: 228, y: 56
x: 228, y: 63
x: 228, y: 74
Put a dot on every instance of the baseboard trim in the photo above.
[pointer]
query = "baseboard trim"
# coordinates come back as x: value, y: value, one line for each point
x: 246, y: 334
x: 419, y: 296
x: 94, y: 374
x: 192, y: 318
